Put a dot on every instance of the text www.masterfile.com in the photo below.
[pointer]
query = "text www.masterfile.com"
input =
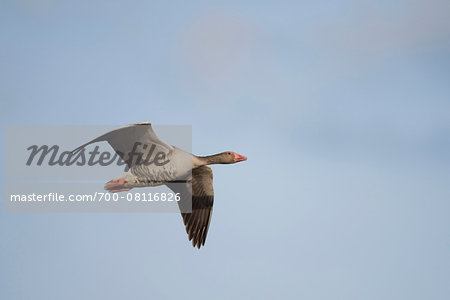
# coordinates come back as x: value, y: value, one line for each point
x: 95, y: 197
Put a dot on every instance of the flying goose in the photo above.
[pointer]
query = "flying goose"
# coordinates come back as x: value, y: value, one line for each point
x: 181, y: 171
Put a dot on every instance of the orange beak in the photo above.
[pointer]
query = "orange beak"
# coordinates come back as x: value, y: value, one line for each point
x: 238, y: 157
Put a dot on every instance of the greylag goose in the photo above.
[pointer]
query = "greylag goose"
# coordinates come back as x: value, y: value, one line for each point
x: 181, y: 171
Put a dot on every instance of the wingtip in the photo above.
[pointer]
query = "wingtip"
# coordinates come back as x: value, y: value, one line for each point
x: 74, y: 151
x: 195, y: 243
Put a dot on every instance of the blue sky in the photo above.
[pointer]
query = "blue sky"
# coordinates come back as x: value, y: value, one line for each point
x: 342, y: 108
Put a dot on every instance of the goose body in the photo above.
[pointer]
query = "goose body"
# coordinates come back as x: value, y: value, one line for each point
x: 153, y: 162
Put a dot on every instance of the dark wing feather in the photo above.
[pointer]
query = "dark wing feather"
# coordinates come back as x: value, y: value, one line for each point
x: 197, y: 222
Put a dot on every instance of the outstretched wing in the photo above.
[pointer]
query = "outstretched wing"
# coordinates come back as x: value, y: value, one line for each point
x: 138, y: 137
x: 197, y: 222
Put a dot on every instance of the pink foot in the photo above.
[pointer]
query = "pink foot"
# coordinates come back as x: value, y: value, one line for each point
x: 116, y: 185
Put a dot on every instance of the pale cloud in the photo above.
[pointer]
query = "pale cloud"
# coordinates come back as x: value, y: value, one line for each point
x: 34, y: 7
x: 212, y: 50
x: 372, y: 31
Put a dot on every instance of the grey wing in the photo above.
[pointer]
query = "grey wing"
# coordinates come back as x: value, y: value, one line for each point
x: 197, y: 222
x: 139, y: 137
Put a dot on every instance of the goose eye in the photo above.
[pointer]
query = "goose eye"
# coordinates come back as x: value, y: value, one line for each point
x: 229, y: 153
